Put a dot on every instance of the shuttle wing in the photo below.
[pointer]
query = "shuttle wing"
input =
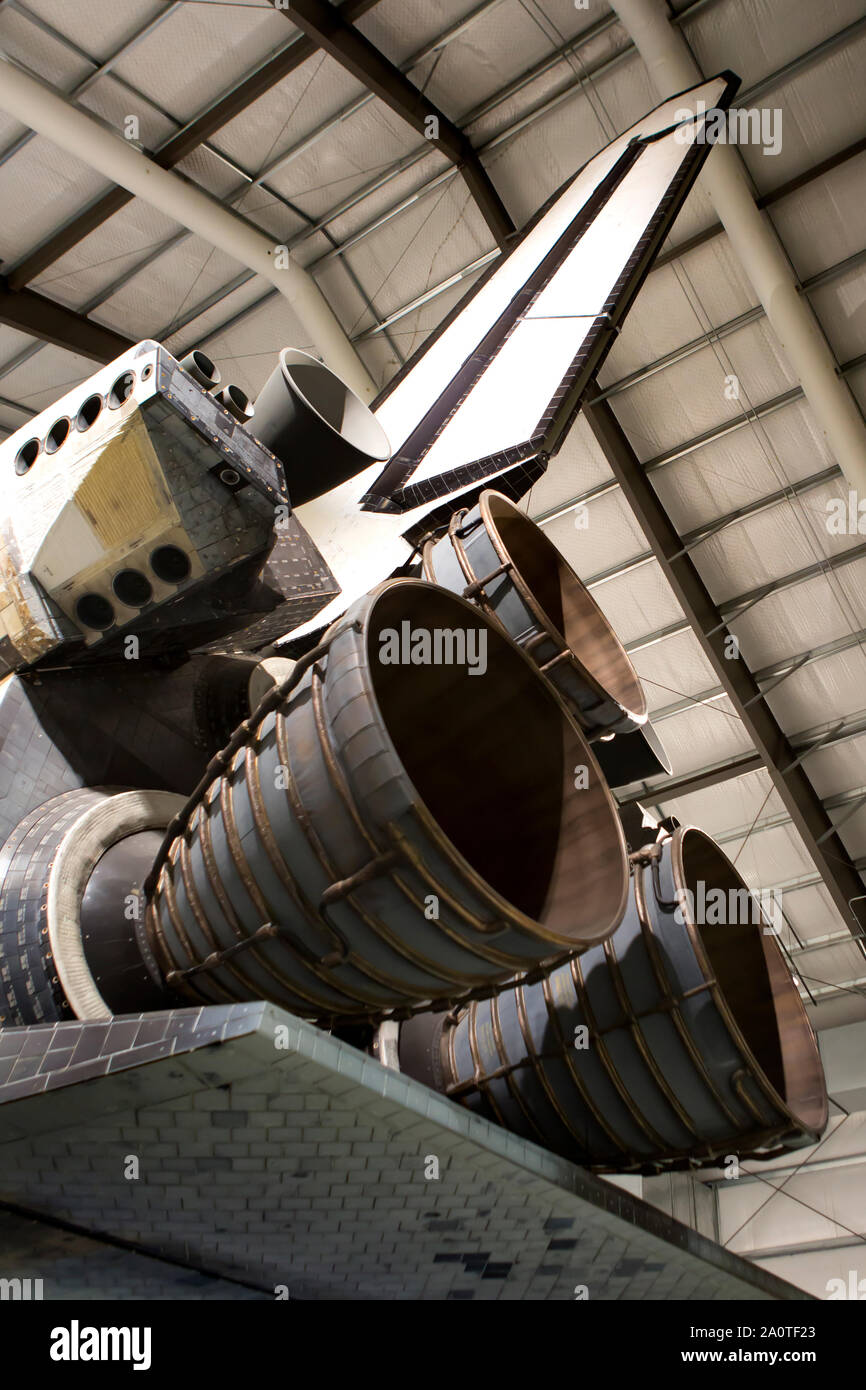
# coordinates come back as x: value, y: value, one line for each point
x: 493, y: 392
x: 503, y: 378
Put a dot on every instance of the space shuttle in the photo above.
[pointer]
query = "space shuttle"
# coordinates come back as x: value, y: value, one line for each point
x: 490, y: 396
x: 211, y: 788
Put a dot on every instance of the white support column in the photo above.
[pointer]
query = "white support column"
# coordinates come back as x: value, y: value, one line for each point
x: 672, y: 68
x: 44, y: 110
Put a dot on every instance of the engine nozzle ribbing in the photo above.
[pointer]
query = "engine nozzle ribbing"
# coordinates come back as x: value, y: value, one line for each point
x: 405, y: 829
x: 677, y: 1041
x: 498, y: 557
x: 495, y: 555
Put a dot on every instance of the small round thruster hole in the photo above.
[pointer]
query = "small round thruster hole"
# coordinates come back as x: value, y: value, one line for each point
x: 94, y: 611
x: 121, y: 390
x: 27, y: 456
x: 133, y: 588
x: 170, y: 564
x: 57, y: 435
x: 89, y: 413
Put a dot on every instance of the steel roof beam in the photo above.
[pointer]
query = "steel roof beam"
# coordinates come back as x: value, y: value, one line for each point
x: 714, y: 335
x: 793, y: 185
x: 602, y: 68
x: 671, y: 65
x: 571, y: 46
x: 588, y: 76
x: 691, y: 539
x: 767, y: 200
x: 54, y: 323
x: 99, y: 69
x: 320, y: 225
x: 74, y: 130
x: 330, y: 30
x: 27, y: 410
x: 849, y: 801
x: 799, y: 797
x: 245, y: 92
x: 176, y: 148
x: 732, y: 607
x: 772, y: 675
x: 751, y: 315
x: 716, y: 773
x: 712, y: 775
x: 690, y: 446
x: 227, y: 107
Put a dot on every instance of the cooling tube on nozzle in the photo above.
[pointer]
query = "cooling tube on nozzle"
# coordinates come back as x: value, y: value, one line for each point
x: 498, y: 557
x: 680, y: 1040
x: 422, y: 819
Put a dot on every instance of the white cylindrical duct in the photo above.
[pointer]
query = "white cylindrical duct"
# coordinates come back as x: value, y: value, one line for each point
x: 70, y: 128
x: 672, y: 69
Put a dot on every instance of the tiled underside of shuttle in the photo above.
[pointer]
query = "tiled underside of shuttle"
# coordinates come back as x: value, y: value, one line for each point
x: 237, y: 1151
